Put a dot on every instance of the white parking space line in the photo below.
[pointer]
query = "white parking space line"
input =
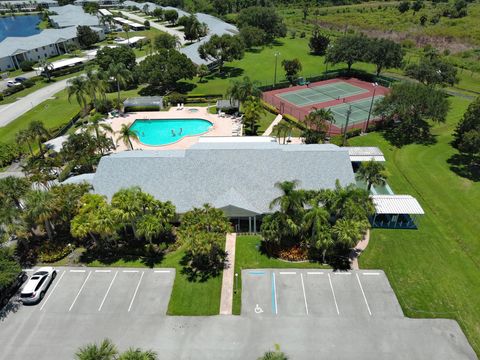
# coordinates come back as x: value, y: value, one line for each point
x: 77, y: 271
x: 79, y: 291
x: 135, y: 293
x: 333, y: 293
x: 315, y: 273
x: 130, y: 271
x: 103, y: 271
x: 161, y: 271
x: 108, y: 290
x: 304, y: 295
x: 288, y: 273
x: 371, y: 273
x: 364, y: 297
x: 274, y: 294
x: 51, y: 292
x: 28, y: 270
x: 342, y: 273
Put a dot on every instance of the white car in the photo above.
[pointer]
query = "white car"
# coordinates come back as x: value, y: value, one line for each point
x: 11, y: 83
x: 35, y: 288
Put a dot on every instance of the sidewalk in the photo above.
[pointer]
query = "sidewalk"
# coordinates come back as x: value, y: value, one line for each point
x: 272, y: 125
x: 226, y: 300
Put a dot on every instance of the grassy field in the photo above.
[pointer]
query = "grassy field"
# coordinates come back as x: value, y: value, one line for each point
x: 433, y: 270
x: 248, y: 256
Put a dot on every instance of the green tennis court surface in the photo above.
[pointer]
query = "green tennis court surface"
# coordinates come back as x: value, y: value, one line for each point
x: 359, y: 112
x: 321, y: 94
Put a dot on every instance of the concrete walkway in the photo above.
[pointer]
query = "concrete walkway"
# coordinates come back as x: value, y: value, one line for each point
x: 357, y: 251
x: 226, y: 300
x: 272, y: 125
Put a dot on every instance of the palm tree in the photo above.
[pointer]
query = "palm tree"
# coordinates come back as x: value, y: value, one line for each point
x: 316, y: 223
x: 241, y: 90
x: 96, y: 124
x: 94, y: 84
x: 126, y: 135
x: 47, y: 68
x: 38, y: 131
x: 126, y: 28
x: 105, y: 351
x: 23, y: 137
x: 150, y: 227
x: 253, y: 110
x: 138, y: 354
x: 373, y: 173
x: 282, y: 128
x: 40, y: 210
x: 317, y: 119
x: 348, y: 232
x: 121, y: 75
x: 291, y: 206
x: 78, y: 86
x: 13, y: 189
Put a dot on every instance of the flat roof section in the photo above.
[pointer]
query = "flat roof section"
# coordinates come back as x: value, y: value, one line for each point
x: 397, y: 204
x: 365, y: 153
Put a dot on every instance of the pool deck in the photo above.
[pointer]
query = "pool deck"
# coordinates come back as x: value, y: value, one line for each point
x: 222, y: 126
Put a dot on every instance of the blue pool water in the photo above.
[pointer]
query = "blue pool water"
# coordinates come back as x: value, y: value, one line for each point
x: 162, y: 132
x: 24, y: 25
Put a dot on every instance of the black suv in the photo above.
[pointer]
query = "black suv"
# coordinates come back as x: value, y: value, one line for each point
x: 9, y: 290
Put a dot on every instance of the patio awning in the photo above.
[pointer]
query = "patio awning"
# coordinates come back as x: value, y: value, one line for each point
x: 365, y: 153
x: 397, y: 204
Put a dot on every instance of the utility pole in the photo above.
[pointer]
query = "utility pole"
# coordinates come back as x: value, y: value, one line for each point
x: 349, y: 111
x: 371, y: 106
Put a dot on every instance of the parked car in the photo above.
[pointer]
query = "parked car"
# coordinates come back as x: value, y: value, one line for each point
x: 20, y: 79
x: 36, y: 287
x: 11, y: 83
x: 9, y: 290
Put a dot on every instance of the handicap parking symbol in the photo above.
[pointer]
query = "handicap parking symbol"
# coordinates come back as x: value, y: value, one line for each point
x: 258, y: 309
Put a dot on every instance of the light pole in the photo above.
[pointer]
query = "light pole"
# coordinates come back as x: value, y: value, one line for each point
x: 349, y: 111
x: 371, y: 105
x: 277, y: 54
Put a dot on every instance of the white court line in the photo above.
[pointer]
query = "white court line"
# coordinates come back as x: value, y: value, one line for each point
x: 304, y: 295
x: 51, y: 292
x: 130, y: 271
x: 287, y: 272
x: 371, y: 273
x: 161, y: 271
x: 364, y: 297
x: 315, y: 272
x: 135, y: 293
x: 77, y: 271
x: 79, y: 291
x: 333, y: 293
x: 108, y: 290
x: 103, y: 271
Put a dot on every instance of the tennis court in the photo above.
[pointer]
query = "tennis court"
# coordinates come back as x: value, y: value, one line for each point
x: 359, y: 111
x: 323, y: 93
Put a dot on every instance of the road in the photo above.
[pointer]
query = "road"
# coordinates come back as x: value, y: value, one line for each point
x: 28, y: 75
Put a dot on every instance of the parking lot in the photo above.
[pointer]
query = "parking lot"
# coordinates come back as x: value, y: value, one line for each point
x: 321, y: 293
x: 113, y: 291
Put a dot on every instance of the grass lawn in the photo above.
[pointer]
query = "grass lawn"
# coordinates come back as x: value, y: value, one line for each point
x: 248, y: 256
x: 434, y: 270
x: 265, y: 122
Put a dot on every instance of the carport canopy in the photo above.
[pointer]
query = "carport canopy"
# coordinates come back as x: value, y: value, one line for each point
x: 396, y: 205
x: 365, y: 153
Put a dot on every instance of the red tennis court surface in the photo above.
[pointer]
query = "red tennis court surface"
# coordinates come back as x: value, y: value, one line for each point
x: 339, y: 95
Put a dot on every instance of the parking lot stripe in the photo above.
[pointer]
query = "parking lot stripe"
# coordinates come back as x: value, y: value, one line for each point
x: 371, y: 273
x: 333, y: 293
x: 288, y: 273
x: 51, y: 292
x: 304, y: 295
x: 28, y: 270
x: 315, y: 272
x: 256, y: 273
x: 135, y: 293
x: 364, y: 297
x: 103, y: 271
x: 130, y: 271
x: 79, y: 291
x: 77, y: 271
x: 108, y: 290
x: 161, y: 271
x: 274, y: 295
x: 342, y: 273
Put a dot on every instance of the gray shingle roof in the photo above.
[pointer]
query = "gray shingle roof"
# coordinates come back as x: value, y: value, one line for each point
x: 72, y: 15
x: 230, y: 176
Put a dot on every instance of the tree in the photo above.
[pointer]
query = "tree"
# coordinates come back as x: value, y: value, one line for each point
x: 121, y: 75
x: 146, y: 23
x: 347, y: 233
x: 348, y: 49
x: 317, y: 125
x: 192, y: 28
x: 47, y: 68
x: 86, y: 36
x: 283, y: 128
x: 90, y: 8
x: 9, y: 267
x: 38, y: 131
x: 120, y: 54
x: 222, y: 49
x: 13, y: 190
x: 417, y: 5
x: 165, y: 68
x: 467, y: 132
x: 241, y: 90
x: 385, y: 53
x: 404, y: 6
x: 409, y: 107
x: 292, y: 69
x: 317, y: 227
x: 23, y: 137
x: 105, y: 351
x: 372, y: 173
x: 252, y: 36
x: 291, y: 200
x: 126, y: 28
x: 253, y: 111
x: 39, y: 210
x: 165, y: 41
x: 94, y: 84
x: 171, y: 16
x: 265, y: 18
x: 431, y: 70
x: 158, y: 13
x: 202, y: 71
x: 79, y: 88
x: 126, y: 135
x: 318, y: 43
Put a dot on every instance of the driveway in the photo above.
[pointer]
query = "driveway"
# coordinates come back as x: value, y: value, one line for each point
x: 128, y: 306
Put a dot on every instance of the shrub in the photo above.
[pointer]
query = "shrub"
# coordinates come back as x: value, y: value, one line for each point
x: 303, y: 34
x: 8, y: 153
x: 27, y: 65
x: 1, y: 96
x: 103, y: 105
x: 295, y: 253
x: 28, y: 83
x: 353, y: 133
x: 50, y: 252
x: 175, y: 98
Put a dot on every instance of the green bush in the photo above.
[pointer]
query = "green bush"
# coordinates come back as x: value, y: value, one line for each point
x: 8, y: 153
x: 353, y: 133
x: 27, y: 65
x: 28, y: 83
x: 175, y: 98
x: 53, y: 252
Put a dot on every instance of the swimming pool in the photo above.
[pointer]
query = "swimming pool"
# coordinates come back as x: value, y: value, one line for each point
x: 156, y: 132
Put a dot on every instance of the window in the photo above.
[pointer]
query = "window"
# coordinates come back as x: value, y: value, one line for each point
x: 43, y: 47
x: 38, y: 57
x: 40, y: 283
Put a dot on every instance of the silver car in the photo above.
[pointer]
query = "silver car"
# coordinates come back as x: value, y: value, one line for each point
x: 35, y: 288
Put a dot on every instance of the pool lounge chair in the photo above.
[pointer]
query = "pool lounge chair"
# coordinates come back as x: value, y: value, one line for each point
x: 178, y: 106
